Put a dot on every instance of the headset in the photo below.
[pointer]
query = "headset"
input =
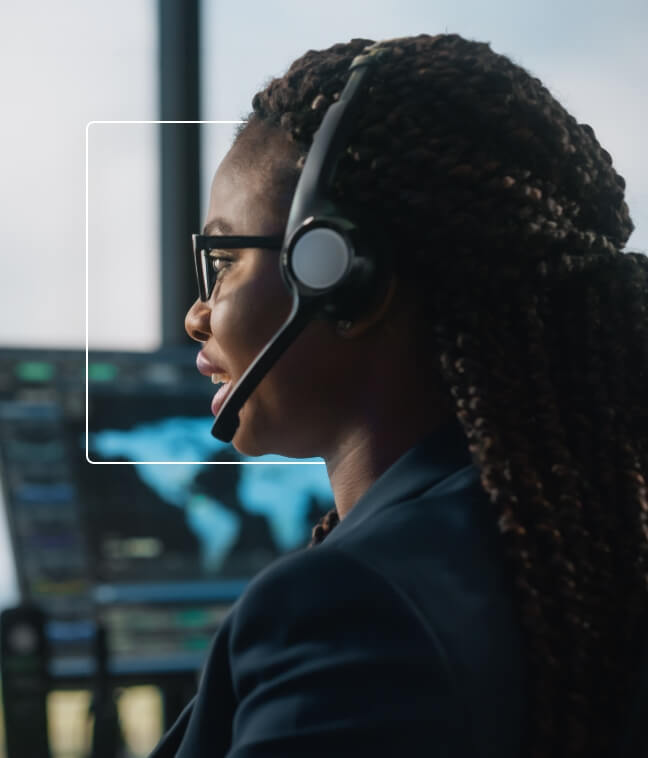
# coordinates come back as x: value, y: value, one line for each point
x: 330, y: 270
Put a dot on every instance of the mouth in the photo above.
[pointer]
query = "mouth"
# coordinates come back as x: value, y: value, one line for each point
x: 222, y: 392
x: 219, y: 377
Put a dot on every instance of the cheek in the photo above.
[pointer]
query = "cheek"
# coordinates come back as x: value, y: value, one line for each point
x: 307, y: 378
x: 246, y: 315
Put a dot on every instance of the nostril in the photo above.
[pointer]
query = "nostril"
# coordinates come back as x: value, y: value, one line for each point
x: 197, y: 322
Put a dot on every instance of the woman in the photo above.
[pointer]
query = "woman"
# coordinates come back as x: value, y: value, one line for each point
x: 480, y: 587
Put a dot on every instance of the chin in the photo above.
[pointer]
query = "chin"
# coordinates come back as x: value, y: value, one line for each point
x: 254, y: 438
x: 258, y: 436
x: 248, y: 447
x: 253, y: 446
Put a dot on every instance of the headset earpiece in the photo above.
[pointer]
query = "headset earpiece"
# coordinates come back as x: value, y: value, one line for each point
x: 324, y: 261
x: 318, y: 259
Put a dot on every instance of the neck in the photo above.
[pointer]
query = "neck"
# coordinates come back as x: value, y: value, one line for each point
x: 379, y: 437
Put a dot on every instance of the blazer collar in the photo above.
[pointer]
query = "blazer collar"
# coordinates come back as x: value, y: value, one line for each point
x: 422, y: 467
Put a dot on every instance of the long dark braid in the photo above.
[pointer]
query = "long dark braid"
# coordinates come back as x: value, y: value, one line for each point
x: 540, y: 325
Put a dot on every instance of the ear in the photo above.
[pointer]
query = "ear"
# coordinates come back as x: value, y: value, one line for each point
x: 376, y: 313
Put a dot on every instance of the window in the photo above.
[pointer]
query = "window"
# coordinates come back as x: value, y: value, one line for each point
x: 88, y: 61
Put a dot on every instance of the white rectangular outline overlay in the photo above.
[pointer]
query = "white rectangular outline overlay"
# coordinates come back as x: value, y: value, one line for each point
x: 151, y: 463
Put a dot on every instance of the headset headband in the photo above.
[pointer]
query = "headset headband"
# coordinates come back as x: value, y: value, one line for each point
x: 311, y: 194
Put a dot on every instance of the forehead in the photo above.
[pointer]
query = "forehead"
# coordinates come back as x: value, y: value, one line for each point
x: 264, y: 148
x: 253, y: 186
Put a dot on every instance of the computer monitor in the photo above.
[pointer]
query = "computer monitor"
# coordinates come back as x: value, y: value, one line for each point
x: 156, y: 553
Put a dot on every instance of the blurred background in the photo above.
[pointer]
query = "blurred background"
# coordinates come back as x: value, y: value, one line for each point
x: 77, y: 540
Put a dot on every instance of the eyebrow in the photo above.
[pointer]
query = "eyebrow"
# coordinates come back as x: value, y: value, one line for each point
x: 217, y: 224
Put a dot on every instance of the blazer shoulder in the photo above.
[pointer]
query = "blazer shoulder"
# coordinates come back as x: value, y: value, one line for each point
x: 328, y: 584
x: 325, y: 653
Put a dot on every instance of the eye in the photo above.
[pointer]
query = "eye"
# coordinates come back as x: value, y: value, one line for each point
x: 218, y: 262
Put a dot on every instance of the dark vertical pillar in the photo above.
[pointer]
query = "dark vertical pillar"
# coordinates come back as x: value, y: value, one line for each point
x: 180, y: 160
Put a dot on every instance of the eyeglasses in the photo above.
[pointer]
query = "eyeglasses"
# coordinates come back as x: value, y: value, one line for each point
x: 206, y: 274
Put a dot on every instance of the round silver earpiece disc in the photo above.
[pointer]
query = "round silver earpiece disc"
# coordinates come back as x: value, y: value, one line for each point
x: 320, y: 258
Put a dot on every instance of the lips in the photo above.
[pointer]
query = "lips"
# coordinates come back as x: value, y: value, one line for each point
x: 219, y: 398
x: 218, y: 376
x: 207, y: 368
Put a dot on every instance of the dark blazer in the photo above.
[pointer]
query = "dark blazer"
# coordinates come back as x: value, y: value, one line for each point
x: 396, y: 636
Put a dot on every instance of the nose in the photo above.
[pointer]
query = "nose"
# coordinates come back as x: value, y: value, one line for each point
x: 197, y: 321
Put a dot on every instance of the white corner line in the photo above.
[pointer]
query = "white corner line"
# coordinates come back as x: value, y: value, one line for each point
x: 237, y: 121
x: 87, y: 130
x: 204, y: 463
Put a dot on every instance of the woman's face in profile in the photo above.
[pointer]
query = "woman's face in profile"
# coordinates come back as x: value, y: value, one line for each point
x: 293, y: 410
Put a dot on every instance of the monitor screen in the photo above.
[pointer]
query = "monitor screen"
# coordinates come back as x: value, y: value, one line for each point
x: 155, y: 552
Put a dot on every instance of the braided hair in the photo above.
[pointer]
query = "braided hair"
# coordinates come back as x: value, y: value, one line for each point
x: 484, y: 183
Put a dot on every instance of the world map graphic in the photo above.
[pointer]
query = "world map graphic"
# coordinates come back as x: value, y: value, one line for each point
x: 282, y: 494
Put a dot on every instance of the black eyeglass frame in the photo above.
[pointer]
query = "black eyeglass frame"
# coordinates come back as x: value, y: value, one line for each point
x: 203, y: 245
